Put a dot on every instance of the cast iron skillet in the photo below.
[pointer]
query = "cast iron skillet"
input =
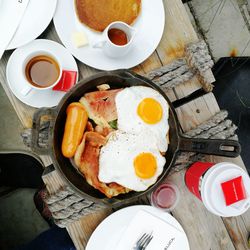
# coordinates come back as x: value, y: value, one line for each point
x: 118, y: 79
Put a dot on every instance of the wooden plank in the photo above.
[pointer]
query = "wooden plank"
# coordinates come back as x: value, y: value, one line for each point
x: 178, y: 32
x: 238, y: 231
x: 80, y: 231
x: 53, y: 181
x: 237, y: 227
x: 151, y: 63
x: 204, y: 230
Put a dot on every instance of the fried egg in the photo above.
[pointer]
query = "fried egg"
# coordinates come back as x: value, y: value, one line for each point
x: 139, y: 108
x: 131, y: 160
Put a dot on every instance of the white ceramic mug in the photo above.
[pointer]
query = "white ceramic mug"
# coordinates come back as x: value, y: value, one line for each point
x: 109, y: 48
x: 29, y: 87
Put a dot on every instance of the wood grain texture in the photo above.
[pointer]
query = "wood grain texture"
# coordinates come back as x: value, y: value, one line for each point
x: 81, y: 230
x: 237, y: 228
x: 204, y: 230
x: 178, y: 32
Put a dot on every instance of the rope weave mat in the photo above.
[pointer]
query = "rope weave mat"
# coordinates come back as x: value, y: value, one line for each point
x: 197, y: 61
x: 66, y: 206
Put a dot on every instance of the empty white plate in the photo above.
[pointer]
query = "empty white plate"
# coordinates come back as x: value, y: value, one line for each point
x: 149, y: 24
x: 16, y: 78
x: 36, y: 18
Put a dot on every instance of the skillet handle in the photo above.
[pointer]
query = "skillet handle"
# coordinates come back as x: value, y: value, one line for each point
x: 227, y: 148
x: 43, y: 122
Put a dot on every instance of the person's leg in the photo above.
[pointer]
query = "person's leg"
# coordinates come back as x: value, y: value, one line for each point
x: 20, y: 170
x: 53, y: 239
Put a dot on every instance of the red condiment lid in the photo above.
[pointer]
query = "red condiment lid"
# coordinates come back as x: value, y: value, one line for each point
x: 67, y: 81
x: 234, y: 190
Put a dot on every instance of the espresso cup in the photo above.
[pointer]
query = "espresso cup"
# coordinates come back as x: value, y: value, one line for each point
x: 41, y: 70
x: 108, y: 44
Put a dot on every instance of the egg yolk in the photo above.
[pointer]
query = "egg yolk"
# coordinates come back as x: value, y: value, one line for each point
x: 145, y: 165
x: 150, y: 111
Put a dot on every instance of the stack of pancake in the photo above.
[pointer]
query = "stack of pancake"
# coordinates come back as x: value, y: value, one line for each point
x: 98, y: 14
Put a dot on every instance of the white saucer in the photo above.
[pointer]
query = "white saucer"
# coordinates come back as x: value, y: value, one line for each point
x: 36, y: 18
x: 108, y: 233
x: 16, y: 79
x: 149, y: 25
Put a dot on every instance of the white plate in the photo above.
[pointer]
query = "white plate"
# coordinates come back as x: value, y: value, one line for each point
x: 149, y: 25
x: 107, y: 234
x: 36, y: 18
x: 16, y: 79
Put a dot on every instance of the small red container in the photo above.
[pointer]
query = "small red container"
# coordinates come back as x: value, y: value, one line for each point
x: 67, y: 81
x: 165, y: 196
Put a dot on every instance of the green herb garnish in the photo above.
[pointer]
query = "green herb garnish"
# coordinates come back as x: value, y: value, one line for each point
x: 113, y: 124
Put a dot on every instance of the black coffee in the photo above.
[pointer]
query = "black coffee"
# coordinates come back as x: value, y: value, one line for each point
x: 42, y: 71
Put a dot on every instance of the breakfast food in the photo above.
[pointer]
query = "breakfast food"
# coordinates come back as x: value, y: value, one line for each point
x: 147, y: 110
x: 79, y: 39
x: 118, y: 37
x: 86, y: 158
x: 98, y: 14
x: 76, y: 121
x: 125, y: 139
x: 131, y: 160
x: 100, y: 106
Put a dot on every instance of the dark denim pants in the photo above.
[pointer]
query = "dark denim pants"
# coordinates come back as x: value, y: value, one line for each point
x: 53, y: 239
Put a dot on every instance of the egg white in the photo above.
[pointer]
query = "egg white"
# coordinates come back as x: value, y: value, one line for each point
x: 127, y: 102
x: 116, y: 162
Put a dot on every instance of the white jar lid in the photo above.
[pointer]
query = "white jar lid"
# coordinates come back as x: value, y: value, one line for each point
x: 212, y: 194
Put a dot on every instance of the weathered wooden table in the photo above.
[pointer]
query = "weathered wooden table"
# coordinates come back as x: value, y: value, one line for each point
x: 204, y: 230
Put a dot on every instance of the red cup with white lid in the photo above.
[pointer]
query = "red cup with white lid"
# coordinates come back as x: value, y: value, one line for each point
x: 224, y: 188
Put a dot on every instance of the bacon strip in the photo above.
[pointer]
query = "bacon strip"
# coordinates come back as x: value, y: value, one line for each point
x: 100, y: 106
x: 87, y: 160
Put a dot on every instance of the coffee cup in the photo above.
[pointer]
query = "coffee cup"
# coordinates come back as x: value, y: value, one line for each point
x: 205, y: 180
x: 117, y: 39
x: 42, y: 71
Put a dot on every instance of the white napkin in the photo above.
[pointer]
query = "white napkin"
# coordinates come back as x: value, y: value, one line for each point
x: 165, y: 235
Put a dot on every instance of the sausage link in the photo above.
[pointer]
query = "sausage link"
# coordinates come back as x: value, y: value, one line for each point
x: 76, y: 121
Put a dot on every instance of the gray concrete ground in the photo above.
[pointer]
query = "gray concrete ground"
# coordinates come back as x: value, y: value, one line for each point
x: 20, y: 221
x: 10, y: 125
x: 224, y: 24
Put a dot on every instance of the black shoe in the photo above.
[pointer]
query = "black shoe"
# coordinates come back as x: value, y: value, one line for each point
x: 20, y: 170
